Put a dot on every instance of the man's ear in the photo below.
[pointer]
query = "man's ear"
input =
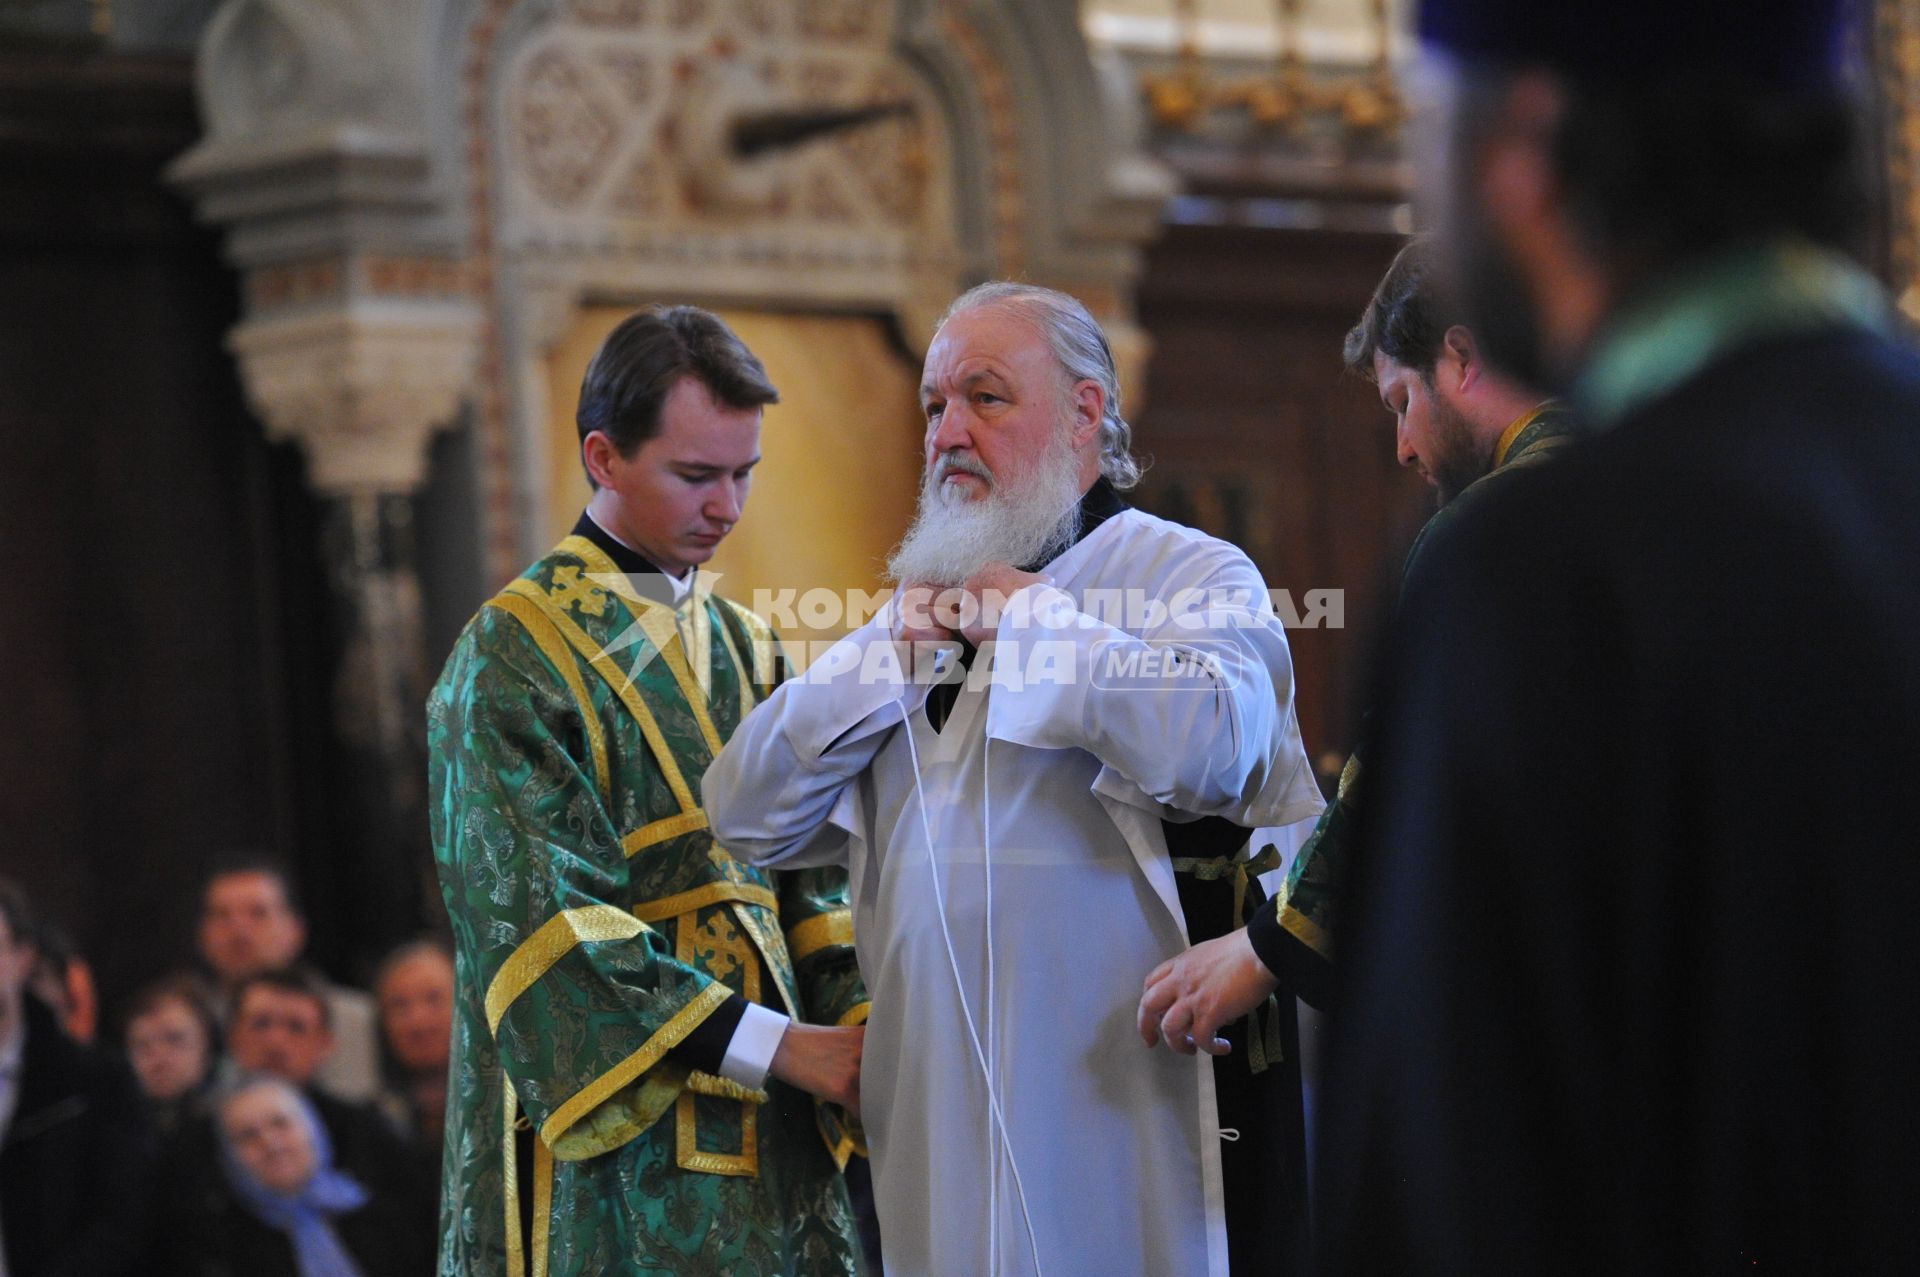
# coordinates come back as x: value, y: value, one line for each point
x: 1089, y: 404
x: 1462, y: 355
x: 598, y: 451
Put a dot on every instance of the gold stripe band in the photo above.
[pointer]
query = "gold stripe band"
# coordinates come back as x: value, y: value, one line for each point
x: 700, y: 897
x: 656, y: 832
x: 1306, y: 931
x: 541, y: 629
x: 855, y: 1014
x: 674, y: 653
x: 622, y: 685
x: 542, y: 1207
x: 804, y: 939
x: 1512, y: 432
x: 739, y: 667
x: 510, y: 1174
x: 602, y: 1088
x: 555, y: 938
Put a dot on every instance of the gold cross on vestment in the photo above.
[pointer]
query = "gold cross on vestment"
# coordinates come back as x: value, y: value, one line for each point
x: 570, y: 589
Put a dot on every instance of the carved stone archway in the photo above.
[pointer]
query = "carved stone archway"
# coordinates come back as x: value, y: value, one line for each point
x: 419, y: 194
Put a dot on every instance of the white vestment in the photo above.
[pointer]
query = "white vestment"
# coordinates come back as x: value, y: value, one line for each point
x: 1110, y: 1158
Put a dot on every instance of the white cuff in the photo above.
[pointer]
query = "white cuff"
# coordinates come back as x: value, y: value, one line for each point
x: 750, y: 1050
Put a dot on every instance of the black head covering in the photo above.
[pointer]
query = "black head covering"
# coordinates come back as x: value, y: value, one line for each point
x: 1790, y: 45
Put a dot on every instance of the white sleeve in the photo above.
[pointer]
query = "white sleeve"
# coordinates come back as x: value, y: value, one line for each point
x: 1196, y: 709
x: 769, y: 794
x: 750, y: 1051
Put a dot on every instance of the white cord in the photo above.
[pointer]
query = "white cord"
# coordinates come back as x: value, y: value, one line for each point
x: 966, y: 1010
x: 993, y: 1055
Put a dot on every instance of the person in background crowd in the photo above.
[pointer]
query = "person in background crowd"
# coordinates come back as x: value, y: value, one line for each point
x: 173, y: 1042
x: 414, y: 990
x: 281, y: 1207
x: 250, y: 922
x: 277, y: 1027
x: 74, y: 1162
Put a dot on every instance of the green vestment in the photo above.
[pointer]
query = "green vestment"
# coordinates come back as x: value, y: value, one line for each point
x: 596, y: 923
x: 1306, y: 906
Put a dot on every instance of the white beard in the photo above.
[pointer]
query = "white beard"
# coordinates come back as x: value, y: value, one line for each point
x: 953, y: 537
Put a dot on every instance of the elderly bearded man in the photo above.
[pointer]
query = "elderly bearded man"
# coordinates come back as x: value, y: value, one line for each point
x: 1023, y: 845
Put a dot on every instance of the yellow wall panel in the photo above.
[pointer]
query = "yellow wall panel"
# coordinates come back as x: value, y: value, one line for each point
x: 841, y: 452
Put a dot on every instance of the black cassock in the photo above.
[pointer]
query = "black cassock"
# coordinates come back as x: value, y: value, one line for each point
x: 1628, y: 975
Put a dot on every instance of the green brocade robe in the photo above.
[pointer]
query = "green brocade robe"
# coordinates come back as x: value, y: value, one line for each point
x: 596, y: 923
x: 1307, y: 905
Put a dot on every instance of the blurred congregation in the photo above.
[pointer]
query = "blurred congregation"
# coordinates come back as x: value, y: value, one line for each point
x: 328, y: 1095
x: 312, y: 308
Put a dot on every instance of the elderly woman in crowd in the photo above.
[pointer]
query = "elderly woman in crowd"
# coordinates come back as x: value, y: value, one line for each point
x: 286, y: 1209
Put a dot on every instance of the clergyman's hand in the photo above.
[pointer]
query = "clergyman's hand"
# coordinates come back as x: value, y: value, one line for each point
x: 990, y: 588
x: 920, y: 609
x: 822, y: 1061
x: 1187, y: 999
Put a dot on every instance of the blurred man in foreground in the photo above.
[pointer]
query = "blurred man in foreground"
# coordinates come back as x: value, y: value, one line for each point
x: 1627, y: 977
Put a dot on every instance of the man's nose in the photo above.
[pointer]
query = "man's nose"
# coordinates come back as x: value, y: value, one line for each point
x: 950, y: 432
x: 724, y: 506
x: 1404, y: 448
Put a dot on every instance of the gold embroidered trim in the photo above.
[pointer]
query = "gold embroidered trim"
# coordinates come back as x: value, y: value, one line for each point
x: 773, y: 947
x: 554, y: 939
x: 1305, y: 931
x: 510, y: 1178
x: 598, y: 1091
x: 687, y: 1149
x: 856, y: 1014
x: 739, y: 669
x: 1512, y: 432
x: 659, y: 831
x: 765, y: 643
x: 672, y: 651
x: 1349, y: 777
x: 804, y: 939
x: 721, y: 1088
x: 691, y: 1157
x: 712, y: 893
x: 842, y: 1146
x: 555, y: 648
x: 542, y: 1207
x: 623, y: 687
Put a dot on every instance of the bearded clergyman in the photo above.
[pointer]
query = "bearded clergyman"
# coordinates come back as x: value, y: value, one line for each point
x: 1042, y: 763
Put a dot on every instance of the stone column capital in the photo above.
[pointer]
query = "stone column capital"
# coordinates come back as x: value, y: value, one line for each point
x: 362, y: 386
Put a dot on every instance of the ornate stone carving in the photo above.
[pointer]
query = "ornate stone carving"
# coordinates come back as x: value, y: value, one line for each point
x: 362, y: 387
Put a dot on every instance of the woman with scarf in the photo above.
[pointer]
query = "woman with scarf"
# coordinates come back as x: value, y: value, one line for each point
x: 286, y: 1210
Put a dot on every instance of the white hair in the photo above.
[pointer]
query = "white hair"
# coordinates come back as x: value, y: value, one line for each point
x: 1082, y: 352
x: 1022, y: 520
